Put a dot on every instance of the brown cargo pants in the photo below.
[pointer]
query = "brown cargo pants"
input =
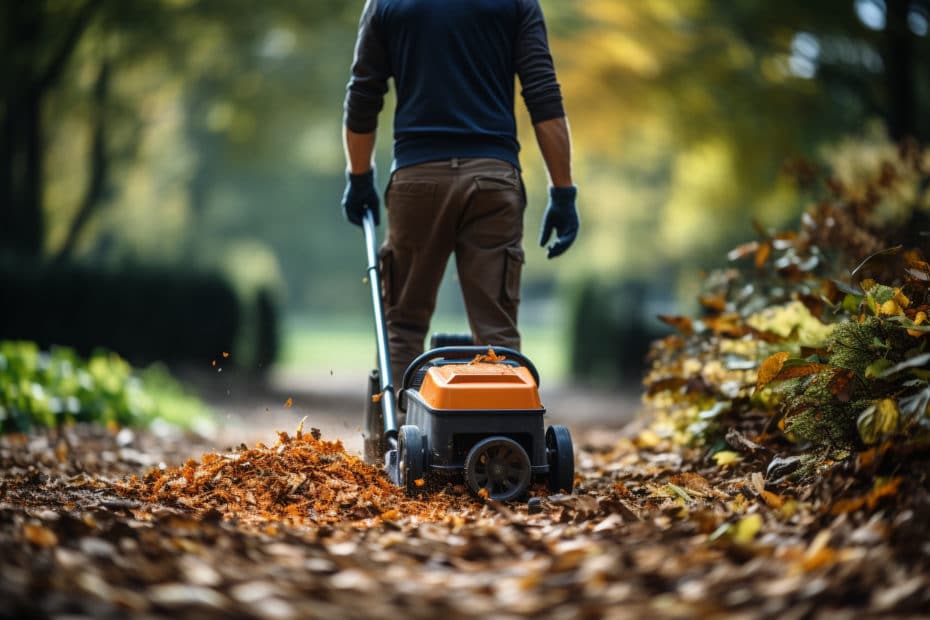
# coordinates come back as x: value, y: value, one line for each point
x: 474, y: 208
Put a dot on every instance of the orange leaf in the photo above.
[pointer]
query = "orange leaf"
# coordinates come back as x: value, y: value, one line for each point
x: 770, y: 368
x: 419, y: 482
x: 225, y: 354
x: 871, y: 499
x: 801, y: 370
x: 717, y: 303
x: 841, y: 385
x: 742, y: 251
x: 681, y: 323
x: 289, y: 403
x: 728, y: 325
x: 376, y: 398
x: 762, y: 254
x: 39, y: 535
x: 771, y: 499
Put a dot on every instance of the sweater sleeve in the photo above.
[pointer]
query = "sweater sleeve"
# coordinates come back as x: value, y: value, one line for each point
x: 541, y: 91
x: 371, y: 69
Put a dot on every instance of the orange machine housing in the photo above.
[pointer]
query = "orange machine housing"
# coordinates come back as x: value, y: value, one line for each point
x: 480, y: 386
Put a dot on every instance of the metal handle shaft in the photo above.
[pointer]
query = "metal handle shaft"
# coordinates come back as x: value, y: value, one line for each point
x: 388, y: 402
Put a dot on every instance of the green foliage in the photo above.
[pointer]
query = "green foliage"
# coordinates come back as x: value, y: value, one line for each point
x: 51, y: 388
x: 860, y: 375
x: 874, y: 384
x: 855, y: 346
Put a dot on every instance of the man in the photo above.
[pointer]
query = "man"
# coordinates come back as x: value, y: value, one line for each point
x: 455, y: 184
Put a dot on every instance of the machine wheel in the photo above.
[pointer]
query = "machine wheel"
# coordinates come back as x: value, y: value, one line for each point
x: 561, y: 457
x: 500, y: 466
x: 410, y: 458
x: 374, y: 423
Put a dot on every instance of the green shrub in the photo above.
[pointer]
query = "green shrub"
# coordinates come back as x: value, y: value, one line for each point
x: 52, y: 388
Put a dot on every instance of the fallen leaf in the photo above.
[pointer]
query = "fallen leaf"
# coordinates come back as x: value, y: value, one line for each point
x: 726, y: 457
x: 682, y: 323
x: 289, y: 403
x: 770, y: 368
x: 746, y: 529
x: 39, y: 535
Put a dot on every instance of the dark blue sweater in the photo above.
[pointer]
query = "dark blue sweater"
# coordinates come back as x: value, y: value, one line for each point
x: 453, y: 64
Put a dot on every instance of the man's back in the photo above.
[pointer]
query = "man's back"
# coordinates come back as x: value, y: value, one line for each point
x: 453, y: 67
x: 453, y: 62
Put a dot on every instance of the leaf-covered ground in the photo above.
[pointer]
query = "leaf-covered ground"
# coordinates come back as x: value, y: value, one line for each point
x: 782, y: 472
x: 287, y: 530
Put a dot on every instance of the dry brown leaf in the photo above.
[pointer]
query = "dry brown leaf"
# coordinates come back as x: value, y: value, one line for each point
x: 770, y: 368
x: 39, y: 535
x: 682, y: 323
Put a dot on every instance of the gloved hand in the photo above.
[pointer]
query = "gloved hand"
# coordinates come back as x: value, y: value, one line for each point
x: 360, y: 194
x: 561, y: 216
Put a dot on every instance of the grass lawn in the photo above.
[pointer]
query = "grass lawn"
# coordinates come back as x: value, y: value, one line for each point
x: 340, y: 343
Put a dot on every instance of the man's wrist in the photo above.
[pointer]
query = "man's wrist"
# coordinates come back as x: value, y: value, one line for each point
x: 558, y: 193
x: 365, y: 175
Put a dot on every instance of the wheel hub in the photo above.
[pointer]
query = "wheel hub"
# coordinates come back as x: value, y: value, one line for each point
x: 499, y: 468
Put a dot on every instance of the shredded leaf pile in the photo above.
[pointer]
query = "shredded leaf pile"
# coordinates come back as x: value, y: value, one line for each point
x: 301, y: 479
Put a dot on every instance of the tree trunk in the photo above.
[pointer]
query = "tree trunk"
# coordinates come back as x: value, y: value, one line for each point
x: 899, y: 72
x: 96, y: 186
x: 22, y: 152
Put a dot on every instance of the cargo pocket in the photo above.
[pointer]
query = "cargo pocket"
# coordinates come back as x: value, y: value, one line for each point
x: 485, y: 184
x: 513, y: 266
x: 386, y: 265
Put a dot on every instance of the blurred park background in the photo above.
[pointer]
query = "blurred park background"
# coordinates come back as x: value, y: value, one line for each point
x: 171, y: 170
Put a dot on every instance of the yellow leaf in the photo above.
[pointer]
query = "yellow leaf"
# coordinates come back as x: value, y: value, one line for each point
x: 727, y: 457
x: 390, y: 515
x: 919, y: 319
x: 648, y: 439
x: 746, y: 529
x: 890, y: 308
x: 901, y: 299
x: 878, y: 420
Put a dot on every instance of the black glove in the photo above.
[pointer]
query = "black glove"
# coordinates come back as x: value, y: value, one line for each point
x: 360, y: 194
x: 561, y: 216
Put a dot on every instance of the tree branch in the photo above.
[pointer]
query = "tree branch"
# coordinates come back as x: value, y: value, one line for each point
x: 57, y: 65
x: 99, y: 166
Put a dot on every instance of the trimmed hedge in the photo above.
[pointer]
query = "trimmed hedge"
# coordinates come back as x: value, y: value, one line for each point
x: 144, y: 314
x: 612, y: 327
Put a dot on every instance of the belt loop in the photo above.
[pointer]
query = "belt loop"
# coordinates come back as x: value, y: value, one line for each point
x: 455, y: 162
